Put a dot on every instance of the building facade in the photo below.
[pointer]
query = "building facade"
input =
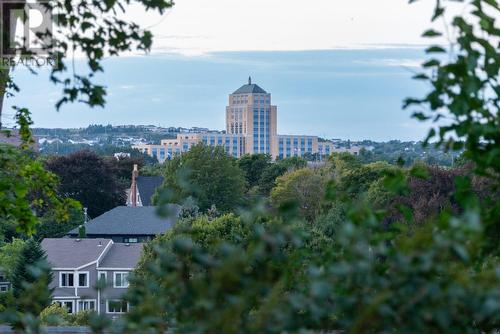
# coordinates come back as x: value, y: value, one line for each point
x: 251, y: 128
x: 78, y: 265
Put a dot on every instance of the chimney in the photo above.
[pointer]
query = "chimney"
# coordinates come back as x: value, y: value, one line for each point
x: 133, y: 188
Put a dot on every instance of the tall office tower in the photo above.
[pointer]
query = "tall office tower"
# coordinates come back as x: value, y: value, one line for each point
x: 251, y: 115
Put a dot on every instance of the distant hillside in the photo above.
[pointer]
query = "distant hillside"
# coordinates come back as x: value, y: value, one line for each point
x: 108, y: 139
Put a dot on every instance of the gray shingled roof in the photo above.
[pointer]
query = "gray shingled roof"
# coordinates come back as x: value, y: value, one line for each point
x: 125, y: 220
x: 73, y: 253
x: 147, y: 186
x: 122, y: 256
x: 250, y: 89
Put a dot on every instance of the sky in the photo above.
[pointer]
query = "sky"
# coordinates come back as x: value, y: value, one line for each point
x: 337, y: 69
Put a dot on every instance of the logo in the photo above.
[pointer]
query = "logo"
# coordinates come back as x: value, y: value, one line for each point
x: 27, y: 33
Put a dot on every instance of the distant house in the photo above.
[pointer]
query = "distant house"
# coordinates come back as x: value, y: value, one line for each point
x: 129, y: 224
x: 79, y: 264
x: 5, y: 285
x: 142, y: 188
x: 12, y: 137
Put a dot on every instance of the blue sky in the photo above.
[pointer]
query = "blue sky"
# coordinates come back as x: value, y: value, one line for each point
x: 346, y: 93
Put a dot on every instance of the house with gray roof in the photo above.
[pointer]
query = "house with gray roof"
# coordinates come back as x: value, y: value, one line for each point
x: 130, y: 224
x: 78, y: 265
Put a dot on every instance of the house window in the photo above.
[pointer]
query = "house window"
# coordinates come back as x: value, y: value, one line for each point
x: 103, y: 277
x: 116, y: 306
x: 66, y: 280
x: 86, y: 305
x: 121, y: 280
x: 68, y: 304
x: 83, y: 280
x: 130, y: 240
x: 4, y: 288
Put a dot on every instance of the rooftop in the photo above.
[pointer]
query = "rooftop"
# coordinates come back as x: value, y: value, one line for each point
x: 73, y: 253
x: 76, y: 253
x: 147, y: 186
x: 122, y: 256
x: 250, y: 89
x: 125, y: 220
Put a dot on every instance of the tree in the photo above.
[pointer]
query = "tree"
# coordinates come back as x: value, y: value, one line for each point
x: 89, y: 179
x: 208, y: 175
x: 28, y: 191
x: 9, y: 256
x: 254, y: 165
x: 269, y: 175
x: 31, y: 279
x: 54, y: 315
x: 48, y: 227
x: 305, y: 187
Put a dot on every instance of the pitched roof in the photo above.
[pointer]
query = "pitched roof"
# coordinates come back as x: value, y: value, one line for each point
x: 125, y: 220
x: 147, y: 186
x: 250, y: 89
x: 73, y: 253
x: 122, y: 256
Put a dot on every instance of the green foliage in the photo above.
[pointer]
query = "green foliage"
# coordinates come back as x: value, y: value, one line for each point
x: 57, y: 315
x: 30, y: 282
x: 152, y: 170
x: 10, y: 254
x: 224, y: 258
x: 90, y: 179
x: 269, y: 175
x: 253, y: 166
x: 48, y: 227
x: 304, y: 187
x: 54, y: 315
x: 347, y: 270
x: 350, y: 271
x: 81, y: 318
x: 28, y: 191
x: 465, y: 88
x: 208, y: 175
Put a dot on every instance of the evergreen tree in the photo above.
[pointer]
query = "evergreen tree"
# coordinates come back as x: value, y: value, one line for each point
x: 32, y: 276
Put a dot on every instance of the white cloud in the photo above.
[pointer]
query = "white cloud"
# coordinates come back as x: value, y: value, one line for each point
x: 195, y: 27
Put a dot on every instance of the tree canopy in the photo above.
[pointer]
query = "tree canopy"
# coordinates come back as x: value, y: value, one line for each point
x: 88, y: 178
x: 206, y: 174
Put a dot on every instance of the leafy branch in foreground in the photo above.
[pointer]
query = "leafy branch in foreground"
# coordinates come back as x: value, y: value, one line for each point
x: 466, y: 89
x: 27, y: 190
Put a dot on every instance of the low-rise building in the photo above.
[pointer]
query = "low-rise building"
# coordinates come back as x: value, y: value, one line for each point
x: 78, y: 265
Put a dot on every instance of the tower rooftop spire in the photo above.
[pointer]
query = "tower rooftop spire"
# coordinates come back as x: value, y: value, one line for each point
x: 250, y: 88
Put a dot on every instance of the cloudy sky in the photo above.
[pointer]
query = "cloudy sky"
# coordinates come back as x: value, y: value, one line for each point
x: 196, y: 26
x: 338, y: 69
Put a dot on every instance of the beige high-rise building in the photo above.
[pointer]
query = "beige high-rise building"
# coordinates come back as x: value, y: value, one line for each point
x: 251, y: 115
x: 251, y: 128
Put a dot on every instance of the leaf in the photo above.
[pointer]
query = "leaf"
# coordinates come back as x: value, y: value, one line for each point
x: 431, y: 63
x: 431, y: 33
x: 435, y: 49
